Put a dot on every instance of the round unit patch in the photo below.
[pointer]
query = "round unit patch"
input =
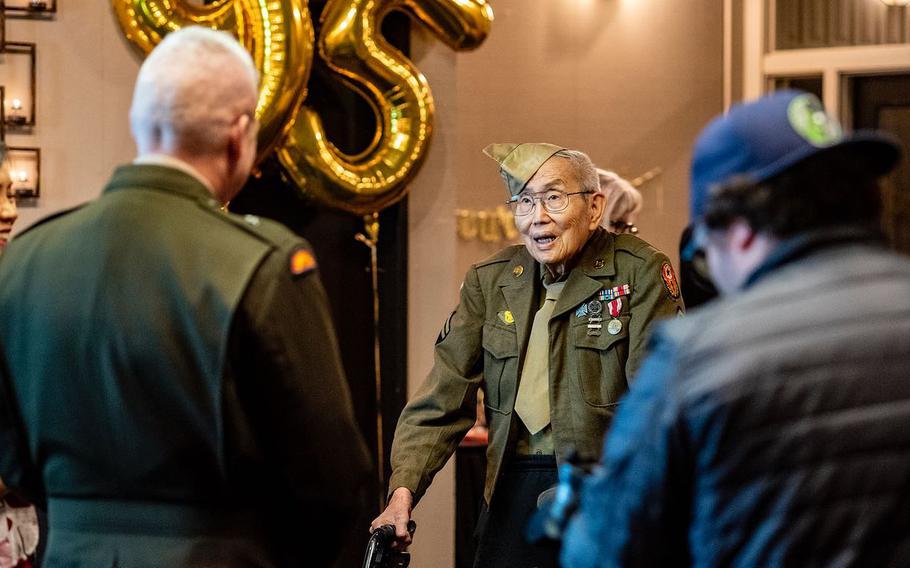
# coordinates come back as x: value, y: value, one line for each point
x: 669, y: 278
x: 302, y: 261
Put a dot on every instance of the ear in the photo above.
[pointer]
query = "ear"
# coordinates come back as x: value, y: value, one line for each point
x: 236, y: 139
x: 742, y: 236
x: 596, y: 207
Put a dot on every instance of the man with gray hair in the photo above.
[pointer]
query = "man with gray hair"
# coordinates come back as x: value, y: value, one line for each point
x: 551, y: 330
x: 170, y: 382
x: 624, y: 202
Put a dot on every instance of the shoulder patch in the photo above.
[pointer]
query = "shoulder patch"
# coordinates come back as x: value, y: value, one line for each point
x: 302, y: 261
x: 669, y: 278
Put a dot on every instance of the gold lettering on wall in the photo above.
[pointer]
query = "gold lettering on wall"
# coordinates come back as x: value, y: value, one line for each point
x: 487, y: 225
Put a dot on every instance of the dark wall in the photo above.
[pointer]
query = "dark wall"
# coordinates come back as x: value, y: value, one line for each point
x: 344, y: 265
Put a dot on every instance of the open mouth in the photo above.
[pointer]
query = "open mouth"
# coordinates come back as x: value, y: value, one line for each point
x: 544, y: 240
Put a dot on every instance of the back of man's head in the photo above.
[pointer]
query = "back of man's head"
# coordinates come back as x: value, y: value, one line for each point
x: 624, y: 202
x: 785, y: 166
x: 189, y: 89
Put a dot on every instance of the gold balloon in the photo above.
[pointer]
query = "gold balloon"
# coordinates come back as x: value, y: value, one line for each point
x: 460, y: 24
x: 279, y: 36
x: 352, y: 46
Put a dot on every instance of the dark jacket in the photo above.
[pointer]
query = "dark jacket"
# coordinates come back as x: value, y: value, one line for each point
x: 769, y: 428
x: 171, y: 371
x: 484, y: 341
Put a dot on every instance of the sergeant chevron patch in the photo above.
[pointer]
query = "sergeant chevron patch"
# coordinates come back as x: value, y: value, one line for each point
x: 446, y: 328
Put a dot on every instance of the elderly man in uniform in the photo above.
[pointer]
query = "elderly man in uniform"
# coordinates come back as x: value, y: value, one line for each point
x: 170, y: 382
x: 551, y: 330
x: 769, y: 428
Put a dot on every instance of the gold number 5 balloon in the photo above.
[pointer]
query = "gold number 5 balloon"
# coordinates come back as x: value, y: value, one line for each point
x: 351, y: 44
x: 279, y: 36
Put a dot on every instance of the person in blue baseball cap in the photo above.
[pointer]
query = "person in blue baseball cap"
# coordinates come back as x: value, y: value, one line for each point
x: 768, y: 427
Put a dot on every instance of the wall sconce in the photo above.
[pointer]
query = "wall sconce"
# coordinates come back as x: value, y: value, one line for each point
x: 25, y: 171
x: 16, y: 116
x: 31, y: 8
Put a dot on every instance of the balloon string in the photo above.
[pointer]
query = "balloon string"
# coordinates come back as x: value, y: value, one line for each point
x: 371, y: 239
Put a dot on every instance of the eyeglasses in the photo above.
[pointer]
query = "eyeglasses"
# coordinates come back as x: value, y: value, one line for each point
x: 553, y: 201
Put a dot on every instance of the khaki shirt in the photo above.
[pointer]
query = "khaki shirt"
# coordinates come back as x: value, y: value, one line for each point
x: 483, y: 343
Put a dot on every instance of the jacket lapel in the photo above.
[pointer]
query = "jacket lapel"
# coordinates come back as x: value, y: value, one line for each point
x: 519, y: 293
x: 595, y: 261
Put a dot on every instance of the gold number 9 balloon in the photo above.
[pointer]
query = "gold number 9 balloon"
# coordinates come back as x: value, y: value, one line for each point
x: 279, y: 34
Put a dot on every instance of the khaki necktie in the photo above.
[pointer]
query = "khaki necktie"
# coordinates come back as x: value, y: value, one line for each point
x: 532, y: 403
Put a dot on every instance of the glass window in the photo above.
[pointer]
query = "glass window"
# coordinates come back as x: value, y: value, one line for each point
x: 810, y: 84
x: 801, y: 24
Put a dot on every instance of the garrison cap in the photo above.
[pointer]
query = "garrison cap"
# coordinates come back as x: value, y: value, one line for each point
x: 519, y: 162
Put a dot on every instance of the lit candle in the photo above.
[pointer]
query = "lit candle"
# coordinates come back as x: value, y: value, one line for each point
x: 16, y: 117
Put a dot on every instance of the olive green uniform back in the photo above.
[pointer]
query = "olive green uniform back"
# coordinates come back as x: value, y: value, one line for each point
x: 165, y: 359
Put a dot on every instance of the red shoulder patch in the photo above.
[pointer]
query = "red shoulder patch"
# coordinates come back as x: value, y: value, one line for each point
x: 669, y: 278
x: 302, y: 261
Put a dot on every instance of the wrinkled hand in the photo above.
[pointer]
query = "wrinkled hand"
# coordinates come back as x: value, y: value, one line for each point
x: 398, y: 513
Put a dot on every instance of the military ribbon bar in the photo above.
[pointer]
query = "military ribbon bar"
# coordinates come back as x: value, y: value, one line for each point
x: 615, y: 292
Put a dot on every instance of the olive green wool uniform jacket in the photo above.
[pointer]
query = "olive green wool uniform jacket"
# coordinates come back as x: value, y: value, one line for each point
x: 171, y: 385
x: 479, y: 347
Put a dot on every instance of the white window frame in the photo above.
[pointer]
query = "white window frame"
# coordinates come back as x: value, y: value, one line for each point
x: 751, y: 64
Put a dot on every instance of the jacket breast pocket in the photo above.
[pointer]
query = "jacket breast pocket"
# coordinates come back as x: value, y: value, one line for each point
x: 600, y: 362
x: 500, y: 367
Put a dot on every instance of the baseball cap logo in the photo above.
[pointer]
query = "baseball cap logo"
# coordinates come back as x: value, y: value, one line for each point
x: 808, y: 118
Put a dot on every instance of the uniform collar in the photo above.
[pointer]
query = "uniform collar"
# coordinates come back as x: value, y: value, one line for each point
x: 161, y: 178
x: 175, y: 163
x: 595, y: 261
